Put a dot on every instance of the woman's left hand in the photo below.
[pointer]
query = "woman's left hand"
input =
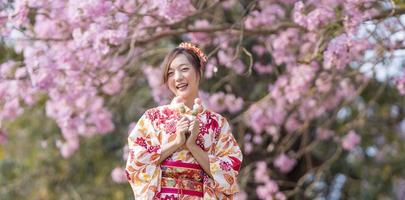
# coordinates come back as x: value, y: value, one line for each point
x: 194, y: 130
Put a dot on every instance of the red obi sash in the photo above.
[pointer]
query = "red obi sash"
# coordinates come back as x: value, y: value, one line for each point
x: 182, y: 178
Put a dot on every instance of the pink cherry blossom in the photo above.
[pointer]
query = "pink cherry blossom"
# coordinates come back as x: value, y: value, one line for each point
x: 217, y: 102
x: 77, y: 57
x: 268, y: 16
x: 160, y: 92
x: 6, y: 69
x: 316, y: 18
x: 324, y: 134
x: 175, y: 10
x: 11, y: 109
x: 261, y: 174
x: 343, y: 49
x: 3, y: 137
x: 280, y: 196
x: 198, y: 37
x: 268, y: 190
x: 125, y: 152
x: 350, y: 141
x: 233, y: 104
x: 400, y: 83
x: 210, y: 68
x: 284, y: 163
x: 68, y: 148
x: 118, y: 175
x: 248, y: 147
x: 114, y: 85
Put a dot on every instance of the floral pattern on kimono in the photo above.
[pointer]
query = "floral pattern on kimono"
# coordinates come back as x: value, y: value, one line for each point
x: 157, y: 126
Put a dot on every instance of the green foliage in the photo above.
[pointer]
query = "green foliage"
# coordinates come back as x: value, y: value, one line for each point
x: 33, y: 167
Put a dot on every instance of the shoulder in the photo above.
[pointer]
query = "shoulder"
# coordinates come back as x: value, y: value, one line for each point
x: 154, y: 110
x: 210, y: 114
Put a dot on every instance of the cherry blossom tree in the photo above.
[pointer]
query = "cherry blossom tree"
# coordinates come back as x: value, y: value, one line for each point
x: 301, y: 81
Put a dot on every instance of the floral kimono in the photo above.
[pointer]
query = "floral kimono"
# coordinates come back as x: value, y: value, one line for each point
x: 180, y: 176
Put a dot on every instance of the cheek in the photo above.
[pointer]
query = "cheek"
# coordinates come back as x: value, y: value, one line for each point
x: 170, y: 85
x: 195, y: 79
x: 192, y: 77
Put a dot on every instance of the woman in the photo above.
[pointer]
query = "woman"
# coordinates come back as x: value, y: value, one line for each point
x: 183, y: 150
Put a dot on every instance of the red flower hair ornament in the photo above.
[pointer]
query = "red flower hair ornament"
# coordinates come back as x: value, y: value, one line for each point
x: 197, y: 51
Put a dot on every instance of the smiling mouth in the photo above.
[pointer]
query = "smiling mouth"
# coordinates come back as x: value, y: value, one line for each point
x: 182, y: 86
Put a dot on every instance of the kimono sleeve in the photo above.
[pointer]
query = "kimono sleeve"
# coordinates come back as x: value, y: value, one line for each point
x: 142, y: 168
x: 225, y: 161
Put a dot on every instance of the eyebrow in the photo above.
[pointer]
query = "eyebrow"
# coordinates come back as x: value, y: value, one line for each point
x: 178, y: 65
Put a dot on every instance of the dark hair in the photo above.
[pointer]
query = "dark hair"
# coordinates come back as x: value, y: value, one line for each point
x: 191, y: 57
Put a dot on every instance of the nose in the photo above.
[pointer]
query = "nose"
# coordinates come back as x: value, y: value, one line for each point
x: 178, y: 76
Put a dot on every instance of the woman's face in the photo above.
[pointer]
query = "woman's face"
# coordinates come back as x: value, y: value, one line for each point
x: 182, y: 78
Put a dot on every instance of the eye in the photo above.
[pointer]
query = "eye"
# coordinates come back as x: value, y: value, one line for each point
x: 184, y: 69
x: 170, y: 73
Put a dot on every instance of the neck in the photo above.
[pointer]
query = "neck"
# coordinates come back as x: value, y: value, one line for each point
x: 190, y: 101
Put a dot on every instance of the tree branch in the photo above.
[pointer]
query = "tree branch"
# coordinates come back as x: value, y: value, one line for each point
x: 397, y: 10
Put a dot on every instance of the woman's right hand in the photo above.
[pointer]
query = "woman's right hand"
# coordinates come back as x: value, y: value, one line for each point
x: 181, y: 129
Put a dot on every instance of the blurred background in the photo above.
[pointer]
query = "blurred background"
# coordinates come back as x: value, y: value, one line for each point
x: 314, y: 91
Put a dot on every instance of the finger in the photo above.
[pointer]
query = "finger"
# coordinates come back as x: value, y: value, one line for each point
x: 185, y: 120
x: 181, y: 120
x: 185, y: 127
x: 194, y: 124
x: 185, y: 124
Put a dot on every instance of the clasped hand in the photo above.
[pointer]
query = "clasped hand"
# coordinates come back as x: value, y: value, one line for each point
x: 185, y: 125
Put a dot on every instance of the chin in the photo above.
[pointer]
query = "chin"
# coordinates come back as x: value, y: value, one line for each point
x: 184, y: 95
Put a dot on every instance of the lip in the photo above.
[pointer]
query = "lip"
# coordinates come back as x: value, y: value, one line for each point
x: 178, y: 86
